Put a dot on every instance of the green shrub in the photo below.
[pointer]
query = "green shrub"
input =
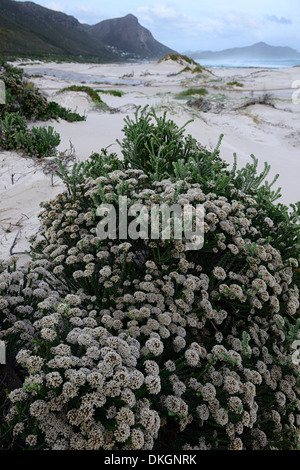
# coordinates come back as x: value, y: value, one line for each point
x: 10, y: 127
x: 157, y: 146
x: 25, y: 99
x: 39, y: 141
x: 235, y: 83
x: 55, y: 111
x: 33, y: 104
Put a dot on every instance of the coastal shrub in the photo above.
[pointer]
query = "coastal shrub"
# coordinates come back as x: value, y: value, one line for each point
x: 35, y: 142
x: 235, y: 83
x: 38, y: 141
x: 10, y: 127
x: 140, y: 343
x: 33, y: 104
x: 24, y: 98
x: 160, y: 148
x: 24, y: 102
x: 56, y: 111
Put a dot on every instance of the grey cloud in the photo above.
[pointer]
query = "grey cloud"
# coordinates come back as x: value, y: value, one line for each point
x: 281, y: 20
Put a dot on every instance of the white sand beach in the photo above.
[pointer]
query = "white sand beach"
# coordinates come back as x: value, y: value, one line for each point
x: 272, y: 134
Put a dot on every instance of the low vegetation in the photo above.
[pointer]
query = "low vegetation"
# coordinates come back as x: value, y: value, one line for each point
x: 25, y: 99
x: 178, y: 58
x: 265, y: 99
x: 235, y: 83
x: 25, y: 103
x: 93, y: 94
x: 117, y: 93
x: 192, y: 92
x: 35, y: 142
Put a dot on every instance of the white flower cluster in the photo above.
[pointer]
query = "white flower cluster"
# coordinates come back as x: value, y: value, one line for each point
x: 132, y: 336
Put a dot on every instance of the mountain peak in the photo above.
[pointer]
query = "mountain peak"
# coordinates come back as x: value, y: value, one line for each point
x: 131, y: 17
x: 260, y: 43
x: 128, y: 35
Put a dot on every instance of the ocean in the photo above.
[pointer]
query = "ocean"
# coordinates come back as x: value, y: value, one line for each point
x: 249, y: 63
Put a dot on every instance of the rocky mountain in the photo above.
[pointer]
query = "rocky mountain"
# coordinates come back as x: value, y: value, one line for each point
x: 128, y: 35
x: 27, y: 29
x: 260, y: 50
x: 30, y: 30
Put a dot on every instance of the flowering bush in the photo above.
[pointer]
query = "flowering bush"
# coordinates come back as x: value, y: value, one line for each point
x: 141, y: 344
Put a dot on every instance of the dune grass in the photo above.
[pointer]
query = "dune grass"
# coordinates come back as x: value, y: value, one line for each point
x: 117, y: 93
x: 192, y: 92
x: 235, y: 83
x: 93, y: 94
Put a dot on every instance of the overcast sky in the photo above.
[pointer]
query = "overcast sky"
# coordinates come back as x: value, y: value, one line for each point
x: 198, y: 25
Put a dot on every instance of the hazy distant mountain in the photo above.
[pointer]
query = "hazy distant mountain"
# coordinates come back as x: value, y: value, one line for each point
x: 128, y: 35
x: 260, y: 50
x: 30, y: 30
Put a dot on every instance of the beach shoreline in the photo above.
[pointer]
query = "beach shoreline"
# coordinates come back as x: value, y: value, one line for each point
x: 268, y: 128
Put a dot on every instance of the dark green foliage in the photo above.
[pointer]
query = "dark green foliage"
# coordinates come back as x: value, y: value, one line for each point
x: 249, y: 181
x: 72, y: 180
x: 117, y: 93
x: 160, y: 148
x: 55, y: 111
x: 23, y: 101
x: 153, y: 143
x: 10, y: 127
x: 32, y: 104
x: 98, y: 164
x: 36, y: 142
x: 235, y: 83
x: 21, y: 97
x: 39, y: 141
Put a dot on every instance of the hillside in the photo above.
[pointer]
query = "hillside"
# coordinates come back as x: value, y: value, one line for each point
x: 30, y: 30
x: 27, y: 29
